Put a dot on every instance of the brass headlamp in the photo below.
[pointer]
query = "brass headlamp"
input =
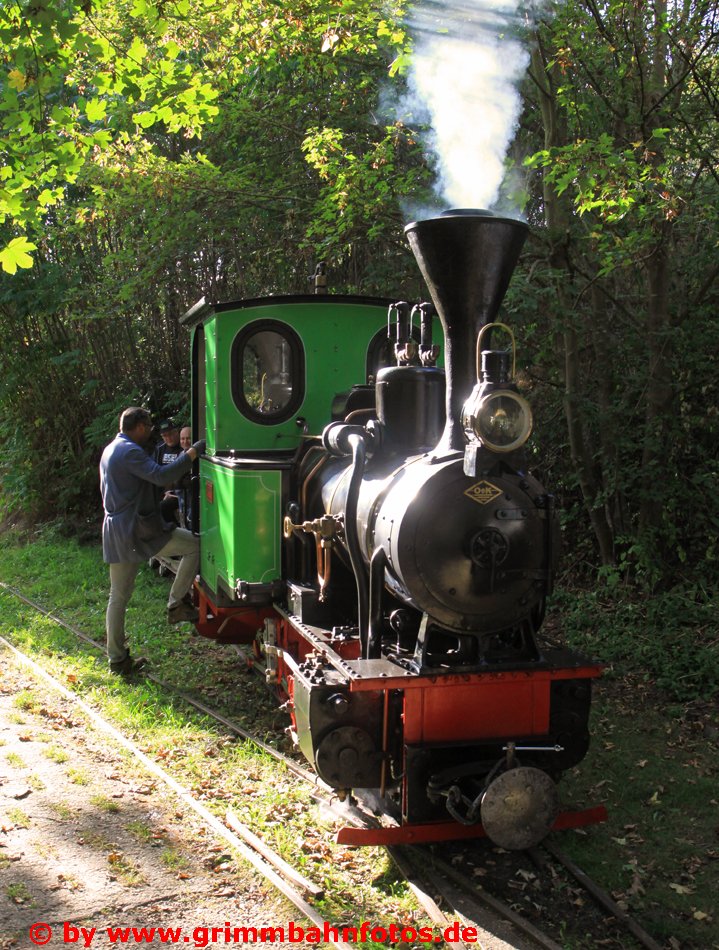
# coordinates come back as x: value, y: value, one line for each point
x: 495, y: 415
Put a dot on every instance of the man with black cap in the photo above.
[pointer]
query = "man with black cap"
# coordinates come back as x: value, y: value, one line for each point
x: 133, y: 529
x: 167, y: 452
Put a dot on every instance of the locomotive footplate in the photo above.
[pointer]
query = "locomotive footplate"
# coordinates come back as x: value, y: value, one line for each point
x: 452, y: 830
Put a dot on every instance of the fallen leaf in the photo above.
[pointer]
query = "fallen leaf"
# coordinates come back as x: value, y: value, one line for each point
x: 636, y: 886
x: 681, y: 888
x: 18, y: 791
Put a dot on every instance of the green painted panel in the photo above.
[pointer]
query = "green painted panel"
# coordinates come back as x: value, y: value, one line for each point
x: 241, y: 525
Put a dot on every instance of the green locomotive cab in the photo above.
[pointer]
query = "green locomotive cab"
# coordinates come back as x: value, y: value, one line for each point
x: 266, y: 375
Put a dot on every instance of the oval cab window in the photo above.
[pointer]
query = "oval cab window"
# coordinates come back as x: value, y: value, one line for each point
x: 268, y: 372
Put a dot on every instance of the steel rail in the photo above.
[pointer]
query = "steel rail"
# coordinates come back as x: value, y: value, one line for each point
x: 183, y: 794
x: 479, y: 895
x: 417, y: 884
x: 198, y: 704
x: 358, y: 817
x: 601, y: 896
x: 323, y: 793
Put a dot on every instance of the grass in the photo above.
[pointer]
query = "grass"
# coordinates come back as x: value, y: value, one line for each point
x: 104, y: 803
x: 141, y: 830
x: 46, y: 850
x: 221, y: 770
x: 658, y: 850
x: 174, y: 860
x: 98, y: 841
x: 125, y: 870
x: 62, y: 810
x: 27, y: 701
x: 55, y: 753
x: 78, y: 776
x: 18, y: 893
x: 658, y: 853
x: 18, y: 817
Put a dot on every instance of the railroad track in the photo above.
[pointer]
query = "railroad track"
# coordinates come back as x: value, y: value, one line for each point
x: 446, y: 893
x: 546, y: 858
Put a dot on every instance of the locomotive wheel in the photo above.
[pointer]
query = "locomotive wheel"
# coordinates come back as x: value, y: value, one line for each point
x: 519, y: 808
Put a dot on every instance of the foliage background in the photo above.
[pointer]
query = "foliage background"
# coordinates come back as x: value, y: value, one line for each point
x: 154, y: 153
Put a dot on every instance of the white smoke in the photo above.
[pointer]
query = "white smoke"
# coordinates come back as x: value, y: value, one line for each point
x: 463, y: 83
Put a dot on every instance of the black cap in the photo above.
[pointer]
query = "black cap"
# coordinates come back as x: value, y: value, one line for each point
x: 166, y: 425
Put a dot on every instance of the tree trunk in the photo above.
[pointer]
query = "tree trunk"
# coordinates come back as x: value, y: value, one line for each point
x: 659, y: 387
x: 557, y: 215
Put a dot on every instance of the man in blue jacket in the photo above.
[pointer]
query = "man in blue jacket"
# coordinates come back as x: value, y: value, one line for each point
x: 133, y: 529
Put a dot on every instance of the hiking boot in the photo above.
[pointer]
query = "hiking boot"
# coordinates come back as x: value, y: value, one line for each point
x: 128, y: 667
x: 182, y: 611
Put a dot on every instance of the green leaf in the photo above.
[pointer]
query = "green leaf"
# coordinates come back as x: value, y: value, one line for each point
x: 144, y: 119
x: 16, y: 255
x: 400, y: 64
x: 137, y: 51
x: 95, y: 110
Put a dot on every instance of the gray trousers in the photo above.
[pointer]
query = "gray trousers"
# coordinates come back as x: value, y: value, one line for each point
x: 182, y: 544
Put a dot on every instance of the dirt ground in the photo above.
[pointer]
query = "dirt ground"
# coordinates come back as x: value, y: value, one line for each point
x: 92, y: 845
x: 88, y: 842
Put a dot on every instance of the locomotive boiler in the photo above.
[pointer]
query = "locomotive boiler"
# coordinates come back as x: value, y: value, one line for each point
x: 369, y: 524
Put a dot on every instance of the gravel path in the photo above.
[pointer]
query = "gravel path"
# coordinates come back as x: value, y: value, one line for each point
x: 87, y: 840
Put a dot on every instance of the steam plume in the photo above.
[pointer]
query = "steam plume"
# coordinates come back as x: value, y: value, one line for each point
x: 463, y: 80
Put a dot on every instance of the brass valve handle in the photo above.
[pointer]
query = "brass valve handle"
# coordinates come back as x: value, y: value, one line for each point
x: 324, y: 528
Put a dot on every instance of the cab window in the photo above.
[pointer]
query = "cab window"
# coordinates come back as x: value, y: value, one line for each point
x: 267, y: 372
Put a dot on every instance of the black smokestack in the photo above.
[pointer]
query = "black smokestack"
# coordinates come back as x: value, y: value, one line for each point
x: 467, y: 259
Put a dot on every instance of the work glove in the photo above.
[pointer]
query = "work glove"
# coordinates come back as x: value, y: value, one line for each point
x: 199, y: 447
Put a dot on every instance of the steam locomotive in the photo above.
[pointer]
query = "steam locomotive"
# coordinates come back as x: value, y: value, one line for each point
x: 369, y: 525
